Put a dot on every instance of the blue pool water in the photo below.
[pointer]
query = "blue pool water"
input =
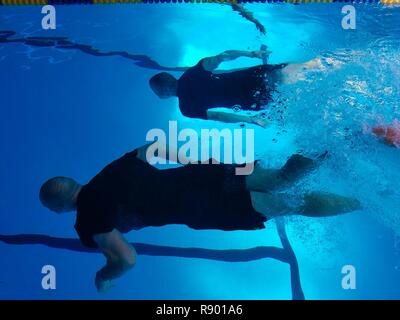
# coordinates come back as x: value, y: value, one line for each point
x: 65, y: 112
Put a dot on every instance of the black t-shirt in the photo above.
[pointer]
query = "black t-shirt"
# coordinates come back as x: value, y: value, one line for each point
x: 200, y: 90
x: 131, y: 194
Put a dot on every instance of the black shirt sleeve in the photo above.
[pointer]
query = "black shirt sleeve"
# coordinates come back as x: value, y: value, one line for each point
x: 96, y: 214
x: 192, y: 110
x: 191, y: 100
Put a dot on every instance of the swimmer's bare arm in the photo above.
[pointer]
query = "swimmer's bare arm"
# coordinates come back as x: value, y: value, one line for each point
x: 249, y: 16
x: 121, y: 257
x: 211, y: 63
x: 229, y: 116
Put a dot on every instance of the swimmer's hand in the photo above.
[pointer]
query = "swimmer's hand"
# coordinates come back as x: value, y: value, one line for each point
x: 120, y: 255
x: 259, y: 119
x: 101, y: 284
x: 260, y: 27
x: 261, y: 54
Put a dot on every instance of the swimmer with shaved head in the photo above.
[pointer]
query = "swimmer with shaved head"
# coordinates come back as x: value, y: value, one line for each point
x: 205, y: 93
x: 130, y: 194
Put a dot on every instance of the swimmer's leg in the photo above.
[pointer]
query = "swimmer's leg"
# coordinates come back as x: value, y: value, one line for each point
x: 295, y: 72
x: 263, y: 180
x: 269, y: 204
x: 267, y: 180
x: 314, y: 204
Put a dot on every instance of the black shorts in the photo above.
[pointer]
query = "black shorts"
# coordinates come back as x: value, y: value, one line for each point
x: 212, y: 196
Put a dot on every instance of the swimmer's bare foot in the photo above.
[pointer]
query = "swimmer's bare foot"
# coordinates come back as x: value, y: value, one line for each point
x: 322, y: 63
x: 298, y: 166
x: 293, y: 73
x: 314, y: 64
x: 322, y: 204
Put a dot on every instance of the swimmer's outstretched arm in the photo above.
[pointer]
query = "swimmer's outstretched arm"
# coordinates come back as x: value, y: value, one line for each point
x: 120, y: 254
x: 211, y: 63
x: 227, y: 115
x: 249, y: 16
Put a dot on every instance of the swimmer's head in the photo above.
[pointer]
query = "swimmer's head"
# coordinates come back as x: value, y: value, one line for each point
x: 59, y: 194
x: 164, y: 85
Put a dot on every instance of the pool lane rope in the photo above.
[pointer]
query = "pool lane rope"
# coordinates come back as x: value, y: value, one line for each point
x: 87, y: 2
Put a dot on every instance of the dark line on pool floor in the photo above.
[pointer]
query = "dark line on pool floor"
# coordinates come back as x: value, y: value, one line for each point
x: 285, y: 254
x: 140, y: 60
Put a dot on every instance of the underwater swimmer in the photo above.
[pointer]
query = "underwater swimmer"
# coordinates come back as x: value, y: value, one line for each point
x: 130, y: 194
x: 201, y: 89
